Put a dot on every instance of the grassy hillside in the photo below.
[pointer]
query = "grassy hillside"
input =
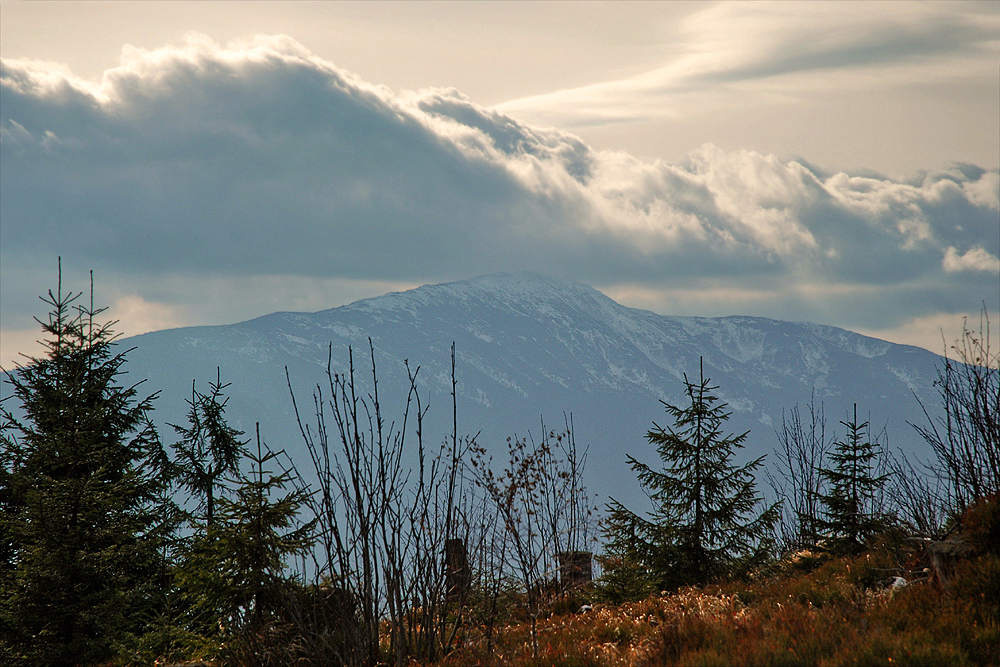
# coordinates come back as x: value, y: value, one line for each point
x: 809, y: 611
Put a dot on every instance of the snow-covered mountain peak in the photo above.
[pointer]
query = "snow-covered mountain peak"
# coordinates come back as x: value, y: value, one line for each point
x: 531, y: 346
x: 520, y: 289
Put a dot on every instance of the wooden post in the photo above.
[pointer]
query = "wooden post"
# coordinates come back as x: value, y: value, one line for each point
x: 458, y: 575
x: 575, y: 568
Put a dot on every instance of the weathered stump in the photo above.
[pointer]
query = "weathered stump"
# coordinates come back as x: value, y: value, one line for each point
x: 944, y: 554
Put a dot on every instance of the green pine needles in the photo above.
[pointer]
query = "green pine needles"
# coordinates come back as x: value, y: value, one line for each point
x: 706, y: 521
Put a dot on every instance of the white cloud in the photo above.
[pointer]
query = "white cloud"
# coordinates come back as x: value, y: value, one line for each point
x: 136, y: 315
x: 975, y: 259
x: 740, y: 54
x: 937, y: 332
x: 985, y: 191
x: 257, y: 159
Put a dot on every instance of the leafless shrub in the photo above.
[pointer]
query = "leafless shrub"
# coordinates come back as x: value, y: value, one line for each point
x: 918, y: 498
x: 966, y: 439
x: 383, y: 525
x: 542, y: 508
x: 801, y: 453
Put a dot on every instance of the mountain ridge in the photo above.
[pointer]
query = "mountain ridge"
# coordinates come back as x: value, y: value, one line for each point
x: 530, y: 347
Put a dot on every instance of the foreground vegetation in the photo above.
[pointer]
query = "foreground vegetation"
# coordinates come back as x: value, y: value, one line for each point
x: 805, y: 610
x: 119, y: 549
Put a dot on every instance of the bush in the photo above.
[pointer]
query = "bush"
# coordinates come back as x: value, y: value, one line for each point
x: 978, y: 581
x: 623, y: 580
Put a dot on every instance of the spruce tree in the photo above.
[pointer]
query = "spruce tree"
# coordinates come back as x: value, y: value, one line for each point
x: 83, y: 483
x: 209, y: 448
x: 234, y: 574
x: 209, y: 452
x: 705, y: 522
x: 848, y: 508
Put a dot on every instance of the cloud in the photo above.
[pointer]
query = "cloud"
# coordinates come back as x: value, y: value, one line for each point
x: 138, y: 315
x: 976, y: 259
x: 937, y: 333
x: 746, y: 54
x: 257, y: 163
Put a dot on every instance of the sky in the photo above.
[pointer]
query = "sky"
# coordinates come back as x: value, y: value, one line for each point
x: 212, y: 162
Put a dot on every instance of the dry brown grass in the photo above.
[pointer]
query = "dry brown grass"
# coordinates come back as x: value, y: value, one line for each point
x: 838, y: 614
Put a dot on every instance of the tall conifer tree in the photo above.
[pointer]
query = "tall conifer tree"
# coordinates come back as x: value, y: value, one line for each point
x: 705, y: 522
x: 83, y: 479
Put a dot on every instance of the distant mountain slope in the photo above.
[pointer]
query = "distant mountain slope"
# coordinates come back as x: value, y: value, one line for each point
x: 530, y: 347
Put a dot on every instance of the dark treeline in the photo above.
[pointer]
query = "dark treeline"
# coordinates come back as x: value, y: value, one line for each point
x: 121, y: 545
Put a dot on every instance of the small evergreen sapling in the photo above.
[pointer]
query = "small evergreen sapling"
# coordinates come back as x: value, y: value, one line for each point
x: 234, y: 575
x: 705, y: 522
x: 209, y: 448
x: 850, y: 518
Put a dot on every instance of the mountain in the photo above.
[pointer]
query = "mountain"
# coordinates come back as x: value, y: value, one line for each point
x: 531, y: 348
